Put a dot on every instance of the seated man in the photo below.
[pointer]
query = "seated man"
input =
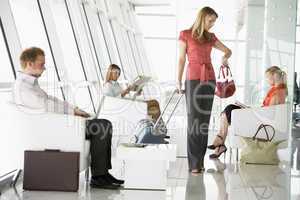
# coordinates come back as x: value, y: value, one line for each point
x: 27, y: 92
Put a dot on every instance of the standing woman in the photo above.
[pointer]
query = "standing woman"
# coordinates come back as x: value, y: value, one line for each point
x: 197, y: 43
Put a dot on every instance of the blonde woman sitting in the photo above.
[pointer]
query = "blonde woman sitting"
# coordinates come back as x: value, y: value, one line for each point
x: 276, y: 95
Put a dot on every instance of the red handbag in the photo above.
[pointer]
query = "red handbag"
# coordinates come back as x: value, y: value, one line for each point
x: 225, y: 87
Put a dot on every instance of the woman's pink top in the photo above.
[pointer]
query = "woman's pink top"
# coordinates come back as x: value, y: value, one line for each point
x: 198, y: 53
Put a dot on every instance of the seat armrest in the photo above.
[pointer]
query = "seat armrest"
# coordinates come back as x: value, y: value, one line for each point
x: 38, y: 131
x: 244, y: 122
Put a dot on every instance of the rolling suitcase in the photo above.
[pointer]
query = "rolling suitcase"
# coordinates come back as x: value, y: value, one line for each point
x: 144, y: 132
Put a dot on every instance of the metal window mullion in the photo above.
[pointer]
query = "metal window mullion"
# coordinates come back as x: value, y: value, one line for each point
x: 50, y: 47
x: 79, y: 54
x: 133, y: 24
x: 138, y: 52
x: 117, y: 47
x: 132, y: 53
x: 104, y: 37
x: 143, y: 52
x: 7, y: 49
x: 125, y: 47
x: 92, y: 39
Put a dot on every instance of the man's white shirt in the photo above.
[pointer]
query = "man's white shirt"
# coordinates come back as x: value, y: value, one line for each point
x: 28, y: 93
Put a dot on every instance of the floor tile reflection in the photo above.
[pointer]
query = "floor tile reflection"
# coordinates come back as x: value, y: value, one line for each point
x: 221, y: 181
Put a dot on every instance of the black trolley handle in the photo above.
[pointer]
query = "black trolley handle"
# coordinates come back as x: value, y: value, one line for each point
x: 165, y: 108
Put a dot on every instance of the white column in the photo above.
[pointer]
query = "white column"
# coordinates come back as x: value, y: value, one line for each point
x: 254, y: 49
x: 280, y: 37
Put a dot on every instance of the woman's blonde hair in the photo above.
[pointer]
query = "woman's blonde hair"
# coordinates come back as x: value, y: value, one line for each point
x: 110, y: 71
x: 279, y: 75
x: 198, y: 31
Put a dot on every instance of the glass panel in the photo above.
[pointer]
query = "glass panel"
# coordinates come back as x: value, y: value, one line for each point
x: 31, y: 31
x: 136, y: 53
x: 155, y: 9
x: 144, y: 55
x: 108, y: 36
x: 298, y: 34
x: 297, y: 60
x: 157, y: 26
x: 66, y: 40
x: 124, y: 15
x: 82, y: 99
x: 298, y: 14
x: 98, y: 39
x: 129, y: 69
x: 6, y: 73
x: 165, y: 68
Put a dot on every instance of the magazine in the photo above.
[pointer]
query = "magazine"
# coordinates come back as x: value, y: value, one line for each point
x: 139, y: 82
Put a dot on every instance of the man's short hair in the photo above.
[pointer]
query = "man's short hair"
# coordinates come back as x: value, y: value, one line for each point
x: 30, y: 55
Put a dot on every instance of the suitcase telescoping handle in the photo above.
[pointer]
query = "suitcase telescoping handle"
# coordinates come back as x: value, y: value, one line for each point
x: 165, y: 108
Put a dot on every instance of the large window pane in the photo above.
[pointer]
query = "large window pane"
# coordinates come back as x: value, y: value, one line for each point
x: 109, y: 37
x: 32, y: 33
x: 165, y: 68
x: 71, y: 53
x: 66, y: 40
x: 100, y: 44
x: 144, y: 56
x: 155, y: 9
x: 136, y: 53
x: 124, y: 49
x: 157, y: 26
x: 297, y: 60
x: 82, y: 99
x: 298, y: 34
x: 6, y: 73
x: 131, y: 68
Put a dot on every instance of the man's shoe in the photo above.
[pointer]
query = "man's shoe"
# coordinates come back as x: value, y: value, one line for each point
x: 103, y: 183
x: 113, y: 179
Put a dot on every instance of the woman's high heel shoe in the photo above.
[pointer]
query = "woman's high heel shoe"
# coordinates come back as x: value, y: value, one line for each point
x: 217, y: 155
x: 215, y: 146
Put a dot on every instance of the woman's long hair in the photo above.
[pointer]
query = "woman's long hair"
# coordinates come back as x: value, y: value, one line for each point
x: 198, y: 31
x: 279, y: 75
x: 109, y: 72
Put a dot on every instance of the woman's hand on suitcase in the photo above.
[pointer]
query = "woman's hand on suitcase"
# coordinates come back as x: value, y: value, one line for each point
x: 179, y: 89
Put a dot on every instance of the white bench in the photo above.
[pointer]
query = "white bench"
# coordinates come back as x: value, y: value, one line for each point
x: 26, y: 129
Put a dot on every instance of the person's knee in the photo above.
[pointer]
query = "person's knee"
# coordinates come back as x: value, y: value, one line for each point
x: 100, y: 128
x: 106, y: 122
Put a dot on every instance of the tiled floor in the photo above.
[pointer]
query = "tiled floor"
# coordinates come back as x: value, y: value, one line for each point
x: 220, y: 181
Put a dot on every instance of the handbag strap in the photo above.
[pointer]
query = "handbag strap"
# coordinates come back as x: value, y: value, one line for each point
x: 263, y: 126
x: 263, y: 195
x: 228, y: 71
x: 221, y: 70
